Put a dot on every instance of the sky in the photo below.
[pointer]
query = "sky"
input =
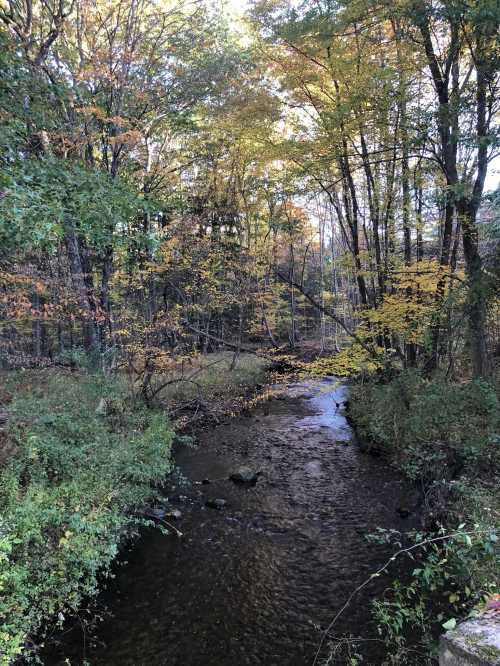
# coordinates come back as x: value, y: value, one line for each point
x: 493, y: 176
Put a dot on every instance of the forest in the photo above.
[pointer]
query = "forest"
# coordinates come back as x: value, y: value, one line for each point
x: 203, y: 206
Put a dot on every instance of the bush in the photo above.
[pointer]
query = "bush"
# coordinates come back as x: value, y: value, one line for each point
x: 452, y: 573
x: 68, y: 495
x: 445, y: 436
x: 430, y: 428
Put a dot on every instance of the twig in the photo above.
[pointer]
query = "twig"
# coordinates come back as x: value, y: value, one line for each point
x: 172, y: 527
x: 231, y: 345
x: 378, y: 573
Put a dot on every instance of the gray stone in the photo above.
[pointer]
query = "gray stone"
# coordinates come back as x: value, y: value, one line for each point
x: 102, y: 408
x: 244, y: 475
x: 175, y: 514
x: 155, y: 512
x: 216, y: 503
x: 473, y: 643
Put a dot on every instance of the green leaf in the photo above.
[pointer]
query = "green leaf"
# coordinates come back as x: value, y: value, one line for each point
x: 450, y: 624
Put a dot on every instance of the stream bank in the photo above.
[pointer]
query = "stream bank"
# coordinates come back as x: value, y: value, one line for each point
x: 259, y: 580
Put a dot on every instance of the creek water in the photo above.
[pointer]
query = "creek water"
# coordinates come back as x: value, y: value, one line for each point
x: 259, y: 581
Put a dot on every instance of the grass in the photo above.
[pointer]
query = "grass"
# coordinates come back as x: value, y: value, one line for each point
x: 209, y: 386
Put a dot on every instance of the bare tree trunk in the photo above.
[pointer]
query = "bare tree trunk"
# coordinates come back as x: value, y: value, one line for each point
x: 477, y: 297
x: 237, y: 351
x: 293, y: 334
x: 36, y: 329
x: 107, y: 272
x: 268, y: 330
x: 405, y: 178
x: 476, y: 300
x: 419, y: 204
x: 322, y: 278
x: 80, y: 282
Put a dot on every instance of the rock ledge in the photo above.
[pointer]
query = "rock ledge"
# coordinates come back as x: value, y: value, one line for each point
x: 473, y: 643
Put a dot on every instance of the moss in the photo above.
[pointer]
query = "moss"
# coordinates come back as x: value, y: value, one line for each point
x: 478, y: 643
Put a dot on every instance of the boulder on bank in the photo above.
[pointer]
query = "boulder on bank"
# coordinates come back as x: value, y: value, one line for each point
x: 245, y: 475
x: 102, y: 408
x: 474, y: 642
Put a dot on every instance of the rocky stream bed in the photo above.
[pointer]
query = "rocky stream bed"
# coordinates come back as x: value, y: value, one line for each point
x: 256, y: 579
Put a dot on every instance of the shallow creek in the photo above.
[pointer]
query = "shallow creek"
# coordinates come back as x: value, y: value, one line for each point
x: 256, y: 582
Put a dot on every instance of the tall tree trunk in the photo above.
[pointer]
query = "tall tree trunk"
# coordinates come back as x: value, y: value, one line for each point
x: 80, y: 285
x: 107, y: 272
x: 36, y: 328
x: 476, y: 300
x: 293, y: 332
x: 322, y: 278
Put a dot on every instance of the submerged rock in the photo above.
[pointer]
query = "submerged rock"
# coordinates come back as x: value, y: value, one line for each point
x: 160, y: 512
x: 244, y: 475
x: 157, y: 513
x: 403, y: 512
x: 177, y: 499
x: 216, y: 503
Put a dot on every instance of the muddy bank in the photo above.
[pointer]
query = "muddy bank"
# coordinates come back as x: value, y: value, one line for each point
x: 256, y: 581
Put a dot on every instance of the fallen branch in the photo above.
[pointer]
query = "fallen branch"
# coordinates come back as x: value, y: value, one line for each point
x: 189, y: 379
x: 172, y: 527
x: 329, y: 313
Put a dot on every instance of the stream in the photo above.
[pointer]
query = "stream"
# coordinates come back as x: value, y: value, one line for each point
x: 258, y: 581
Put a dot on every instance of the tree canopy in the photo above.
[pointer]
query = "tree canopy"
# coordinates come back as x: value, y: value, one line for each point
x: 315, y: 173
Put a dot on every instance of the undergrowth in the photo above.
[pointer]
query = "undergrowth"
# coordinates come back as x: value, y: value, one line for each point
x: 444, y: 436
x: 210, y: 388
x: 431, y: 429
x: 68, y: 493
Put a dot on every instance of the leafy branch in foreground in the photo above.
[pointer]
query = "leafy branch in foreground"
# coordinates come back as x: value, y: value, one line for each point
x: 440, y: 557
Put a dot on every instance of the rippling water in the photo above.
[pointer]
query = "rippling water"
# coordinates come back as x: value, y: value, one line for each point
x: 257, y: 582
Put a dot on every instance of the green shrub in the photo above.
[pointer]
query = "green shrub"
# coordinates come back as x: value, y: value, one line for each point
x: 68, y: 495
x: 453, y: 572
x: 445, y: 436
x: 430, y: 428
